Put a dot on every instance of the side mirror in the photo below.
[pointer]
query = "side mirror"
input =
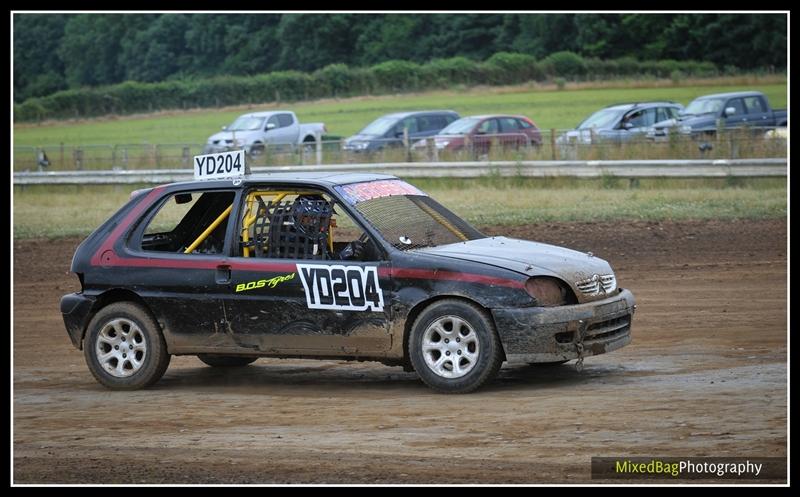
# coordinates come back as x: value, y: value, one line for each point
x: 270, y: 126
x: 627, y: 125
x: 183, y: 198
x: 729, y: 111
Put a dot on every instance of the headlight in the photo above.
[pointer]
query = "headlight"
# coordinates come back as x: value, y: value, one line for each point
x: 686, y: 129
x: 549, y: 292
x: 442, y: 144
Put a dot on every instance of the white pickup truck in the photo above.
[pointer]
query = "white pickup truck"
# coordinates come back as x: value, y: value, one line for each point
x: 257, y: 130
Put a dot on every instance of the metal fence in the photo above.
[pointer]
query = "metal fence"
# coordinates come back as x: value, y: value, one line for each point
x: 550, y: 145
x: 576, y: 169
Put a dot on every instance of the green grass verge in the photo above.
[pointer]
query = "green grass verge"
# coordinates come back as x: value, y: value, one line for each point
x: 548, y: 107
x: 53, y: 212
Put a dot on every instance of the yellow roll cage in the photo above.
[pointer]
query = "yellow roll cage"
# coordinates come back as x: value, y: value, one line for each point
x: 250, y: 214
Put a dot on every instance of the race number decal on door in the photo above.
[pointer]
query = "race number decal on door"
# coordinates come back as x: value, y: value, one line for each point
x: 347, y: 288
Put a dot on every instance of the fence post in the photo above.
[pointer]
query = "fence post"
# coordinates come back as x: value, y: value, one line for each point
x: 79, y: 159
x: 433, y: 152
x: 157, y: 155
x: 407, y: 144
x: 185, y: 154
x: 125, y: 158
x: 319, y: 149
x: 553, y: 151
x: 61, y: 160
x: 113, y: 156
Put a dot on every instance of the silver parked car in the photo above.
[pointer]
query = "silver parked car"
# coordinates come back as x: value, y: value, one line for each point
x: 253, y: 132
x: 620, y: 122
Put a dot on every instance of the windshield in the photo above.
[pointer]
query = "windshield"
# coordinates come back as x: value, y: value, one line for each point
x: 379, y: 126
x: 601, y: 119
x: 704, y: 106
x: 246, y: 123
x: 460, y: 127
x: 406, y: 217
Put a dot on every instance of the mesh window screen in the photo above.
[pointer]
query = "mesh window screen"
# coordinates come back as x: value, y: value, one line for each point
x: 296, y: 229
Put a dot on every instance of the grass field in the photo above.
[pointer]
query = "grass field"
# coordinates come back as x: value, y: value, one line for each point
x: 52, y: 212
x: 547, y: 106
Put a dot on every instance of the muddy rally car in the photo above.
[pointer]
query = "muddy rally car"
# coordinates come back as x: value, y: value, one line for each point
x: 314, y: 265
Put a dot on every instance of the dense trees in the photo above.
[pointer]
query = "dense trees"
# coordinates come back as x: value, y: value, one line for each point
x: 59, y: 51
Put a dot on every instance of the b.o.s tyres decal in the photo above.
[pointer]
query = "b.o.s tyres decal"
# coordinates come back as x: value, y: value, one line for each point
x: 270, y: 283
x: 350, y: 288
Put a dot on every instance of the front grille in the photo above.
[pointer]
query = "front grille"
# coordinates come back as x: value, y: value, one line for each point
x: 597, y: 284
x: 600, y: 330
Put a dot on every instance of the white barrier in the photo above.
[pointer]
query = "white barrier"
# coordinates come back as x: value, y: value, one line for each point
x: 574, y: 169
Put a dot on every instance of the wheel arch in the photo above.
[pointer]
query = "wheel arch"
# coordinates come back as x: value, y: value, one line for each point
x: 113, y: 296
x: 417, y: 309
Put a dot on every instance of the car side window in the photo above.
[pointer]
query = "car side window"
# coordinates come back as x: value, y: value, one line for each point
x: 488, y: 127
x: 181, y: 223
x: 737, y: 104
x: 509, y: 125
x: 410, y: 123
x: 639, y: 118
x: 273, y: 120
x: 285, y: 120
x: 300, y: 224
x: 523, y: 124
x: 431, y: 123
x: 754, y: 105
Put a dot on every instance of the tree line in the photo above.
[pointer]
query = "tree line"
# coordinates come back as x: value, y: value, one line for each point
x: 54, y: 52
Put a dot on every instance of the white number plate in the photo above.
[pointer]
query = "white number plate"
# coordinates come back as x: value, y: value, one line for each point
x: 218, y: 166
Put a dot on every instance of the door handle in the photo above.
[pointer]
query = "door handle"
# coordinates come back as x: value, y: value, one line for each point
x: 223, y: 274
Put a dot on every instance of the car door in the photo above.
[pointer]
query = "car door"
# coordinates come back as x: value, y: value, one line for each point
x: 483, y: 134
x: 757, y: 113
x: 181, y: 265
x: 739, y: 115
x: 285, y: 129
x: 289, y: 296
x: 638, y: 121
x: 512, y: 135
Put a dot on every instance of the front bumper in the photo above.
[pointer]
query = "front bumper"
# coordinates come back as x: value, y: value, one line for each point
x: 551, y: 334
x: 76, y: 310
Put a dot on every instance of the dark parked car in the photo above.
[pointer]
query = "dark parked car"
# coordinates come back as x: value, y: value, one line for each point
x: 620, y: 122
x: 320, y: 265
x: 479, y: 132
x: 387, y: 131
x: 732, y: 110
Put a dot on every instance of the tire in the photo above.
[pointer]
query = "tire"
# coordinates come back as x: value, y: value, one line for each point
x: 256, y: 150
x: 477, y: 345
x: 226, y: 361
x: 112, y: 329
x: 309, y: 145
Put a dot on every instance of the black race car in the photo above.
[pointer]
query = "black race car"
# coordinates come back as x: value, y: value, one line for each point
x: 348, y: 266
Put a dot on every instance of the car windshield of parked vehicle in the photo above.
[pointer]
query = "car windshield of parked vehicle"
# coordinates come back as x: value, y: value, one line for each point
x: 704, y: 106
x: 460, y: 127
x: 601, y: 119
x: 406, y: 217
x: 379, y: 126
x: 246, y: 124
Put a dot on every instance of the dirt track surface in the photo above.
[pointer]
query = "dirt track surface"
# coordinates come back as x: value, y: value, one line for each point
x: 705, y: 375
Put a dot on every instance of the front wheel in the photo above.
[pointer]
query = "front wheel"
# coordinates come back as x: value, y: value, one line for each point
x: 124, y: 347
x: 454, y: 347
x: 225, y: 361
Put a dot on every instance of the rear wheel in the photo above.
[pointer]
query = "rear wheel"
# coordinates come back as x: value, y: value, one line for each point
x: 226, y: 361
x: 454, y: 347
x: 124, y: 347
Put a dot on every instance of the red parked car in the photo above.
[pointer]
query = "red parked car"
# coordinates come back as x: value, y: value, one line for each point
x: 480, y: 132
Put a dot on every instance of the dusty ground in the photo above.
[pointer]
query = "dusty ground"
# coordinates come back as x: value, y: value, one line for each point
x: 704, y: 376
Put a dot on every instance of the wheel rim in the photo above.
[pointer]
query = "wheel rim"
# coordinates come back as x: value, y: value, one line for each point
x: 450, y: 347
x: 121, y: 348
